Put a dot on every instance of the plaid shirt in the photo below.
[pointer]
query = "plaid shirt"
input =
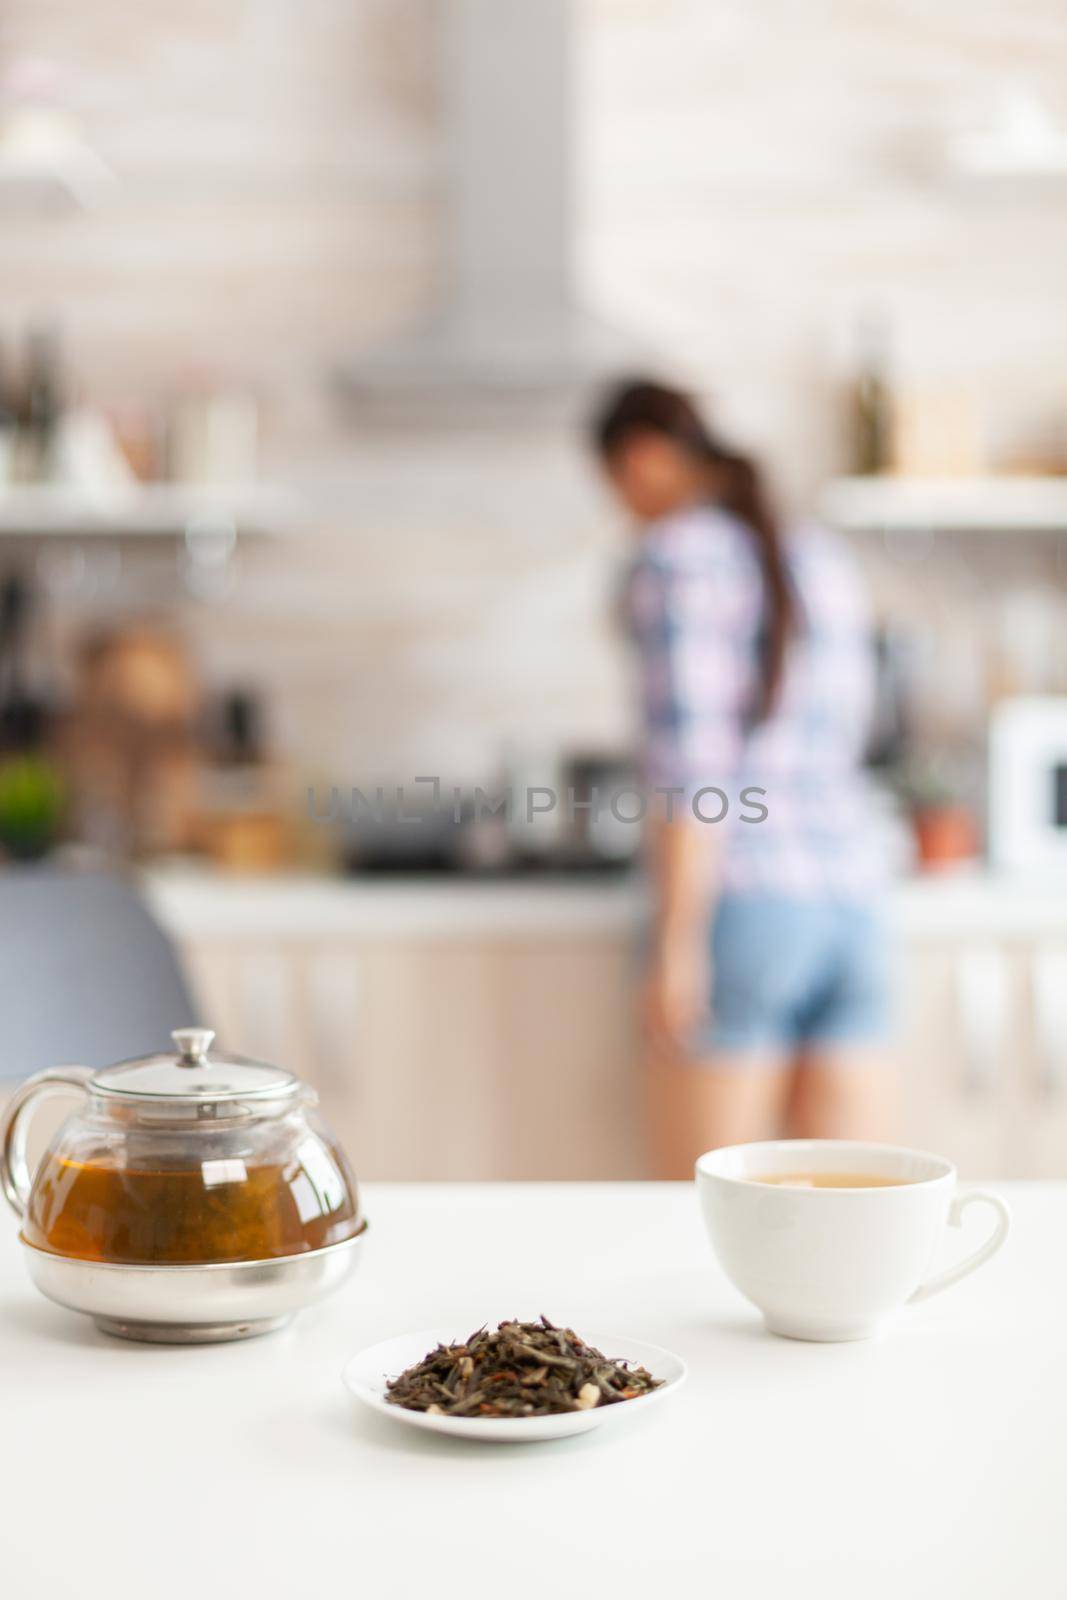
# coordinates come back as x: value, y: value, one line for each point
x: 695, y: 603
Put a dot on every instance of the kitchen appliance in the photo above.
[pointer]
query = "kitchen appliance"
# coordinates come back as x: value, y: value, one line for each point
x: 603, y: 808
x: 192, y: 1198
x: 242, y: 821
x: 894, y: 693
x: 1028, y: 785
x: 547, y: 814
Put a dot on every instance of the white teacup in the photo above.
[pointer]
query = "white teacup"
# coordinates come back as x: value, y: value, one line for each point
x: 835, y: 1263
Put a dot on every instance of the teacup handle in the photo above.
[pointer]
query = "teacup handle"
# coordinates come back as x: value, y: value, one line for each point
x: 959, y: 1204
x: 15, y: 1178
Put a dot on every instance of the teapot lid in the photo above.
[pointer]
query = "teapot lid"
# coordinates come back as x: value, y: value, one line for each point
x: 193, y: 1076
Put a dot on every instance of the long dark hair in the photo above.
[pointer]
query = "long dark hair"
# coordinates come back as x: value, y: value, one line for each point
x: 645, y: 407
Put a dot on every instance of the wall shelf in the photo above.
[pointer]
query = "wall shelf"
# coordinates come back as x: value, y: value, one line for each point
x: 923, y: 505
x: 157, y: 510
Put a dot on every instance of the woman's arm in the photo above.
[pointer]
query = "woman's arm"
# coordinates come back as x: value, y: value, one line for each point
x: 682, y: 868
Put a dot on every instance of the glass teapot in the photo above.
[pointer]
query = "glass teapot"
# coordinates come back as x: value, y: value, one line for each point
x: 179, y: 1160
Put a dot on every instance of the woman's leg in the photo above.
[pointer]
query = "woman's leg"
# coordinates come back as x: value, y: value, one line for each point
x: 842, y: 1091
x: 845, y: 1086
x: 733, y: 1085
x: 693, y: 1106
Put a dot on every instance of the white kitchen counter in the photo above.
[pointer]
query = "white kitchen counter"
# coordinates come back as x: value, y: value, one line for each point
x: 293, y: 905
x: 192, y: 903
x: 927, y: 1465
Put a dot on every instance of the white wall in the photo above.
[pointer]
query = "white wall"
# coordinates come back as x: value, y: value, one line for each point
x: 755, y: 174
x: 760, y: 175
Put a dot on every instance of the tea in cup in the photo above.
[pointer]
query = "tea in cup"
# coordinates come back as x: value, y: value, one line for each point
x: 830, y: 1238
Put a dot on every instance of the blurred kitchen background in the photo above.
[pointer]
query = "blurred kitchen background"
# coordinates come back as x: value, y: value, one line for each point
x: 301, y: 305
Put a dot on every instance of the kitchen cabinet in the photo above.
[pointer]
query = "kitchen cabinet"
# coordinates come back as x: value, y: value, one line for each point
x: 951, y: 1061
x: 983, y: 1052
x: 1040, y: 1141
x: 502, y: 1057
x: 487, y: 1030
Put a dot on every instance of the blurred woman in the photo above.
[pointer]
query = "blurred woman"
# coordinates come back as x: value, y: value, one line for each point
x: 765, y: 1006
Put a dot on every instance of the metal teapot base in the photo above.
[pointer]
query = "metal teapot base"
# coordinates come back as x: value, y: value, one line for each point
x: 189, y: 1333
x: 193, y: 1304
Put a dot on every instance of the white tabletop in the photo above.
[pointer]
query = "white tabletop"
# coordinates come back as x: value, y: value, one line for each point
x: 931, y: 1463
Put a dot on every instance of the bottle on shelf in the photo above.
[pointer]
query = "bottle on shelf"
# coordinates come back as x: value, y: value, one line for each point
x: 243, y: 822
x: 871, y: 404
x: 8, y: 421
x: 39, y: 411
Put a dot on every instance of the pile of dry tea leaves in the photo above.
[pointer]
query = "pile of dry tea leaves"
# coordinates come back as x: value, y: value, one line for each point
x: 524, y: 1369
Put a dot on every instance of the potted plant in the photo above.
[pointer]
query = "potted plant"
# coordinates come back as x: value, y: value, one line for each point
x: 31, y: 806
x: 946, y: 832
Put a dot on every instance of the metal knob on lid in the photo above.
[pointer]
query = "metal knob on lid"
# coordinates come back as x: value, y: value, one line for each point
x: 193, y: 1045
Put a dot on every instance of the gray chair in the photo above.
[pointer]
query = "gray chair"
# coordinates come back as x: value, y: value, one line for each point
x: 87, y: 976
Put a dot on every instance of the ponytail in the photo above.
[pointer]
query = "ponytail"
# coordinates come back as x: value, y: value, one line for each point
x: 745, y: 496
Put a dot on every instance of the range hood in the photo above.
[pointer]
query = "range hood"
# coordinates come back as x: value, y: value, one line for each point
x: 509, y: 333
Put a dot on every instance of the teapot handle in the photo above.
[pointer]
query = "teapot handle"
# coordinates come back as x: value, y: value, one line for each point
x: 14, y: 1169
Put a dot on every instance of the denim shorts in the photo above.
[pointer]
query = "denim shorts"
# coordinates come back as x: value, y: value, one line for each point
x: 788, y: 973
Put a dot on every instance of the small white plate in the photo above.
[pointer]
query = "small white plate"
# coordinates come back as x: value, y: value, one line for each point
x: 366, y: 1374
